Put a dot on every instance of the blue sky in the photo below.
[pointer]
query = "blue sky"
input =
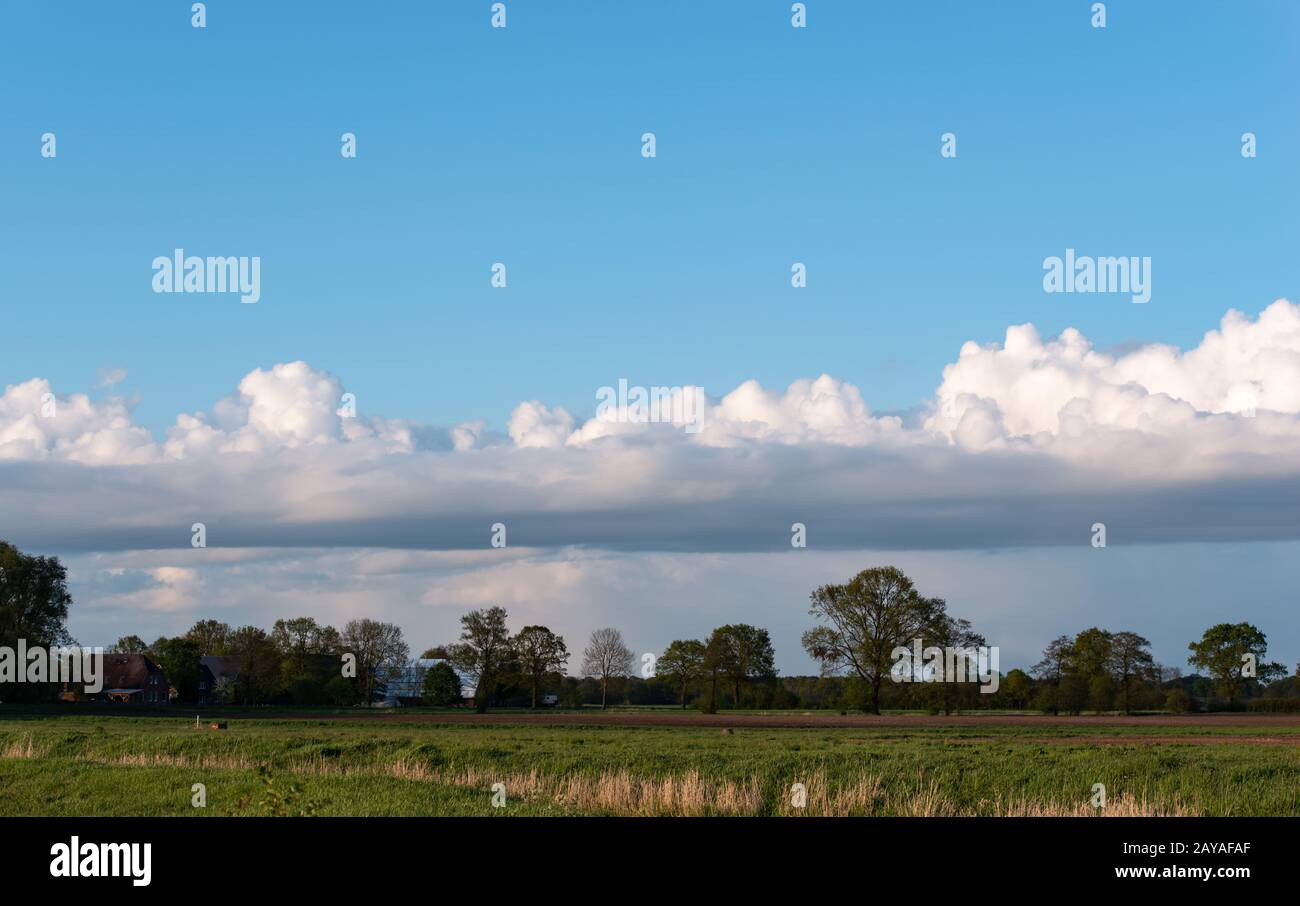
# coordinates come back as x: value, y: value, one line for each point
x: 522, y: 145
x: 775, y: 145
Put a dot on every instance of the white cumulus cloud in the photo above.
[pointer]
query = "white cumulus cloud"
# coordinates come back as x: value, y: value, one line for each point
x: 1022, y: 442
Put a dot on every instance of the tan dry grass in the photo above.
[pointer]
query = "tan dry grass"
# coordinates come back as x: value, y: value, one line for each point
x: 685, y: 795
x: 162, y: 759
x: 1121, y: 806
x: 612, y: 792
x: 867, y: 795
x: 23, y: 747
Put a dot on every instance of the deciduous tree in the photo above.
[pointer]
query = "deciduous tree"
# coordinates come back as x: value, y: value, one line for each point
x: 682, y: 663
x: 212, y: 636
x: 378, y: 647
x: 179, y: 660
x: 482, y: 652
x: 441, y: 686
x: 539, y: 652
x: 1017, y: 688
x: 1131, y: 663
x: 746, y: 654
x: 258, y: 679
x: 868, y: 617
x: 1222, y: 653
x: 605, y: 658
x: 1051, y: 670
x: 34, y: 602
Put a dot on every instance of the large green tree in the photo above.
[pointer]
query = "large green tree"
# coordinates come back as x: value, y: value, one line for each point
x: 258, y: 680
x: 303, y: 636
x: 212, y: 637
x: 1225, y: 649
x: 539, y: 652
x: 34, y: 602
x: 954, y: 691
x: 34, y: 598
x: 682, y: 663
x: 866, y: 618
x: 441, y: 686
x: 1090, y: 653
x: 1016, y: 688
x: 308, y: 657
x: 1132, y: 665
x: 179, y: 660
x: 715, y: 653
x: 483, y: 652
x: 746, y: 655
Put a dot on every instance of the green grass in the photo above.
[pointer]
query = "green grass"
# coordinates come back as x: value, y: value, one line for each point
x: 112, y: 766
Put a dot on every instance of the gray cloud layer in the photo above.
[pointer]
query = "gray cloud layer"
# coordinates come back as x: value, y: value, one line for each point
x: 704, y: 499
x: 1025, y: 443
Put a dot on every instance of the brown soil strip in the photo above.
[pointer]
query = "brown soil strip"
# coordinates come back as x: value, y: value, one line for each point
x: 1292, y: 739
x: 1261, y: 722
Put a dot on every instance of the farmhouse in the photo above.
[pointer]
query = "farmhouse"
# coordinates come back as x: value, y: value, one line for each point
x: 217, y: 678
x: 133, y: 678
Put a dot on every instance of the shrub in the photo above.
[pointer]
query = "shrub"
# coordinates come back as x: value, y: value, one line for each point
x: 1101, y: 693
x: 1072, y: 696
x: 307, y: 691
x: 441, y: 686
x: 340, y: 691
x: 1223, y: 704
x: 1178, y: 701
x: 1274, y: 705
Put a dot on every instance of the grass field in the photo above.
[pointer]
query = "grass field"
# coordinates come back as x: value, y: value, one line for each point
x: 71, y: 763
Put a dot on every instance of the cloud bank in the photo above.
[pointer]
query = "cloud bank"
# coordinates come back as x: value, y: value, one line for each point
x: 1026, y: 442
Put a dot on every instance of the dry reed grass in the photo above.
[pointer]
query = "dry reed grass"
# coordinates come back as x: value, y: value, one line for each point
x: 689, y: 794
x: 23, y: 747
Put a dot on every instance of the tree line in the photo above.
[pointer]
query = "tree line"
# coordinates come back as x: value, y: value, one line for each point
x: 736, y: 656
x: 859, y: 626
x: 297, y: 662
